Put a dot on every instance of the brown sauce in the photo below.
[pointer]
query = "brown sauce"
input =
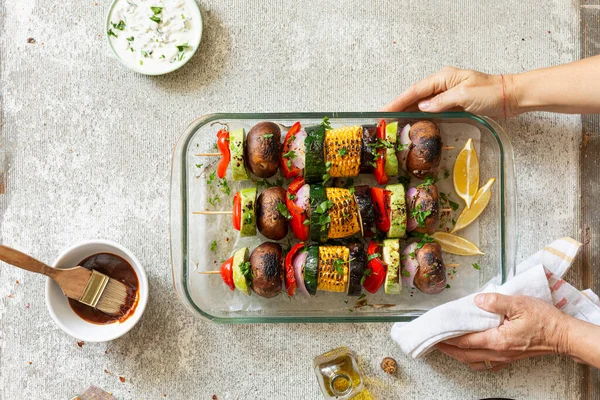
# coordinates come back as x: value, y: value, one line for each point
x: 117, y: 268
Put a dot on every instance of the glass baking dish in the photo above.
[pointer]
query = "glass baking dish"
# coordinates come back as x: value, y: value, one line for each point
x: 192, y: 235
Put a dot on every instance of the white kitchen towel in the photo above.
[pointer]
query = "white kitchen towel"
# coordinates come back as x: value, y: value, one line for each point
x: 539, y: 276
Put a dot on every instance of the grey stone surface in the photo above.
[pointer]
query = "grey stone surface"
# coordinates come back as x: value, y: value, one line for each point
x: 88, y: 147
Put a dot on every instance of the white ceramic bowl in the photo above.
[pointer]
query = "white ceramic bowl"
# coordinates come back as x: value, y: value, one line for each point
x: 65, y: 317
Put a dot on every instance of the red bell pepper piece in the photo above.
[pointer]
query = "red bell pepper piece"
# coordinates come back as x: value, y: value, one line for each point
x: 227, y: 273
x: 380, y: 175
x: 381, y: 204
x: 299, y: 229
x: 223, y: 146
x: 287, y: 170
x: 236, y: 218
x: 290, y: 279
x: 376, y: 269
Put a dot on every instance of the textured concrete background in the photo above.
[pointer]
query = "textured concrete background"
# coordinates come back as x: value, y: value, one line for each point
x: 88, y: 148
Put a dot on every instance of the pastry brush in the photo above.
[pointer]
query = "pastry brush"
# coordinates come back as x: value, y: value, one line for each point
x: 87, y: 286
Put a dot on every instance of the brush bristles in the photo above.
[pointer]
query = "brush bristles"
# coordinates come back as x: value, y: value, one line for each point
x: 113, y: 298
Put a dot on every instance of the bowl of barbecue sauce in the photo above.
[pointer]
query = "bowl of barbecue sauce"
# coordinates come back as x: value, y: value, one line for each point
x: 84, y: 322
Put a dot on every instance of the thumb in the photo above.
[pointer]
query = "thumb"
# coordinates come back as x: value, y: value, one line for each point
x: 494, y: 303
x: 442, y: 102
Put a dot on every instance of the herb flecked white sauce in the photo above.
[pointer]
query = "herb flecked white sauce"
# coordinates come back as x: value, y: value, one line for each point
x: 154, y: 36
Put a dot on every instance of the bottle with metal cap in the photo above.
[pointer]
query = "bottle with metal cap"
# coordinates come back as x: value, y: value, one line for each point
x: 338, y: 374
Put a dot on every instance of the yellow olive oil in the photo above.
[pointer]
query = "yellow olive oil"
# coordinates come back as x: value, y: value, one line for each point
x: 338, y: 374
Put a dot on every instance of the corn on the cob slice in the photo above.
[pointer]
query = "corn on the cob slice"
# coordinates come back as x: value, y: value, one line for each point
x: 343, y: 150
x: 343, y: 213
x: 333, y: 268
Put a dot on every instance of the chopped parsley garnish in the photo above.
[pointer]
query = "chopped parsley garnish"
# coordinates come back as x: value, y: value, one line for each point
x: 412, y: 254
x: 447, y: 286
x: 446, y: 173
x: 146, y: 53
x: 285, y: 213
x: 211, y: 178
x: 419, y: 215
x: 130, y: 39
x: 291, y: 196
x: 182, y: 16
x: 162, y: 56
x: 453, y: 205
x: 290, y: 155
x: 156, y: 10
x: 425, y: 238
x: 366, y: 273
x: 141, y: 62
x: 120, y: 26
x: 246, y: 269
x: 430, y: 181
x: 326, y: 177
x: 199, y: 165
x: 405, y: 273
x: 362, y: 296
x: 328, y: 165
x: 325, y: 124
x: 323, y: 207
x: 343, y: 151
x: 224, y: 186
x: 268, y: 184
x: 213, y: 245
x: 373, y: 256
x: 267, y: 136
x: 339, y: 266
x: 214, y: 200
x: 476, y: 266
x: 306, y: 222
x: 324, y: 219
x: 351, y: 191
x: 155, y: 18
x: 111, y: 33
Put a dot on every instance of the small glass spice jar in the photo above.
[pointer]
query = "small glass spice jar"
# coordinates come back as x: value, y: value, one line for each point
x: 338, y: 374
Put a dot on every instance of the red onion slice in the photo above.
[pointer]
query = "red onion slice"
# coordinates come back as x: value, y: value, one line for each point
x: 404, y: 146
x: 299, y: 149
x: 303, y: 197
x: 411, y: 198
x: 409, y: 265
x: 298, y: 264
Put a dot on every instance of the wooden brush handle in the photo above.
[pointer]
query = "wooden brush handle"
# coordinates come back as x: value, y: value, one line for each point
x: 23, y: 261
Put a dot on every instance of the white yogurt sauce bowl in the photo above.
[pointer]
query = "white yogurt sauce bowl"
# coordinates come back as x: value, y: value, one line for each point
x: 62, y: 313
x: 153, y: 37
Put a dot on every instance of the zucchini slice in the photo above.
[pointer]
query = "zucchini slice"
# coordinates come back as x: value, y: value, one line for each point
x: 391, y: 160
x: 357, y: 268
x: 319, y: 213
x: 311, y: 270
x: 398, y: 211
x: 248, y: 225
x: 391, y: 256
x: 236, y: 147
x: 240, y: 281
x: 314, y: 144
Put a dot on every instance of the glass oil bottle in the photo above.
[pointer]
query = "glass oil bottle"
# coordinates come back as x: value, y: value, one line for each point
x: 338, y: 374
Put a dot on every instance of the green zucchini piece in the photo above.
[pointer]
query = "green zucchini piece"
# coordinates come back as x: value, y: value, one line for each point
x: 236, y: 147
x: 240, y: 280
x: 391, y: 256
x: 319, y: 214
x: 314, y: 143
x: 248, y: 225
x: 391, y: 160
x: 311, y: 270
x: 398, y: 211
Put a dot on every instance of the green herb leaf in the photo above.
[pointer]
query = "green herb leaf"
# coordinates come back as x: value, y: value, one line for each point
x: 225, y: 186
x: 324, y: 219
x: 446, y: 173
x: 405, y: 273
x: 199, y: 165
x: 447, y: 286
x: 156, y: 10
x: 366, y: 273
x: 267, y: 136
x: 146, y: 53
x: 412, y: 254
x: 343, y: 151
x: 285, y: 213
x: 476, y: 266
x: 111, y: 33
x: 306, y: 222
x: 182, y: 16
x: 141, y: 62
x: 351, y: 191
x: 213, y: 245
x: 328, y: 165
x: 289, y: 155
x: 453, y: 205
x: 325, y: 124
x: 373, y: 256
x: 326, y: 177
x: 246, y: 269
x: 323, y: 207
x: 211, y: 177
x: 430, y: 181
x: 182, y: 47
x: 362, y: 296
x: 162, y: 56
x: 130, y: 39
x: 120, y: 26
x: 155, y: 18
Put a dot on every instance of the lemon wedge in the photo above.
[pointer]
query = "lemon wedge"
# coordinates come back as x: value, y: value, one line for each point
x: 480, y: 202
x: 455, y: 244
x: 466, y: 173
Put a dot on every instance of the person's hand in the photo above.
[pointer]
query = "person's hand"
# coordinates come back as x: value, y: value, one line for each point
x: 531, y: 328
x: 454, y: 89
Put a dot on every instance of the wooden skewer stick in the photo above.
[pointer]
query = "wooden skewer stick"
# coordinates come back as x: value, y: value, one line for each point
x: 209, y: 272
x: 212, y: 212
x: 207, y: 154
x: 447, y: 147
x: 452, y: 265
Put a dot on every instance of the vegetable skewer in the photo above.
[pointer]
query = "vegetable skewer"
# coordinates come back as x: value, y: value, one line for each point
x: 321, y: 152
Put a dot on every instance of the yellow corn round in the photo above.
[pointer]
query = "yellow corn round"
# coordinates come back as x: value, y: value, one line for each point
x: 330, y: 279
x: 343, y: 150
x: 343, y: 213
